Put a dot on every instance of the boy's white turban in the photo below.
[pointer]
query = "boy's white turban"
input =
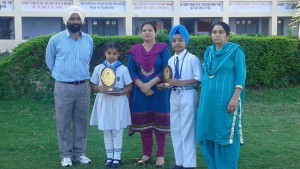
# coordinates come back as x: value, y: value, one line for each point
x: 73, y: 9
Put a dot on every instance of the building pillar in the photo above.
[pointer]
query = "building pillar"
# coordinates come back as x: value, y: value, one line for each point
x: 273, y: 25
x: 226, y: 12
x: 274, y: 18
x: 128, y: 18
x: 18, y: 22
x: 298, y: 31
x: 176, y: 18
x: 128, y: 25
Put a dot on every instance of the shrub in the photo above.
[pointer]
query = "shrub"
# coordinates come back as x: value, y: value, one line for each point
x: 272, y: 61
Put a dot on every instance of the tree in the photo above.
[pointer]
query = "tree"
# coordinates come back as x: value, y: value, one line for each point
x: 296, y: 18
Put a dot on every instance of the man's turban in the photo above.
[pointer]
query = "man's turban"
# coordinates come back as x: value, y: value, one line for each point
x: 71, y: 10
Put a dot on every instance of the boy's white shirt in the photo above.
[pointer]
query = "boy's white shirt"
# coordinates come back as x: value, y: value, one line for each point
x: 191, y: 68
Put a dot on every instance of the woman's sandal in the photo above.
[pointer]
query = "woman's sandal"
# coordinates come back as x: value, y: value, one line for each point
x: 144, y: 162
x: 160, y: 164
x: 130, y: 131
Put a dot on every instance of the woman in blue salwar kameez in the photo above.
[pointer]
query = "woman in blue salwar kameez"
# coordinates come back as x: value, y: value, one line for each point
x: 150, y: 107
x: 219, y: 120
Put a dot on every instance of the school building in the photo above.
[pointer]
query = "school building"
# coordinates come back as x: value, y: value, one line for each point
x: 21, y: 20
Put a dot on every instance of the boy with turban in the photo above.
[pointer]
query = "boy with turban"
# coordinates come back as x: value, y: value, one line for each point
x: 187, y: 74
x: 68, y: 56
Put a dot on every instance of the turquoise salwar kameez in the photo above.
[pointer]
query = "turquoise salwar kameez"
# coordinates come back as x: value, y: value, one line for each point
x: 219, y: 132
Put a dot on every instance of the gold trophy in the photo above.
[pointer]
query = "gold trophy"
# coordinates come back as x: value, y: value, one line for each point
x: 108, y: 78
x: 167, y: 75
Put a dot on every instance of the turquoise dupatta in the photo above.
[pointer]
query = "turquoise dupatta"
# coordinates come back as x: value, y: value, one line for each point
x: 218, y: 57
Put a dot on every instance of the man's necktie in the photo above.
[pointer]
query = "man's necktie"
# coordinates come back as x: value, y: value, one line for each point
x: 176, y: 76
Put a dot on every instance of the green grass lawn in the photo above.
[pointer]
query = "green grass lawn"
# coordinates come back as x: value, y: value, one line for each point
x: 271, y: 133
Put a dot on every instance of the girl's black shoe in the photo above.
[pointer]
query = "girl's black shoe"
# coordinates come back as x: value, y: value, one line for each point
x: 116, y: 163
x: 108, y: 162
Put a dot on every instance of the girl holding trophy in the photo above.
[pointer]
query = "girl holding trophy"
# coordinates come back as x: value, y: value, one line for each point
x: 111, y: 80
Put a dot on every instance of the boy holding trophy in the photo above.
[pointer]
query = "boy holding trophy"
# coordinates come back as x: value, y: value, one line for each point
x: 187, y: 74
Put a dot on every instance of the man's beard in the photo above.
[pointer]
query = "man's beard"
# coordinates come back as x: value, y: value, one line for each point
x: 74, y: 28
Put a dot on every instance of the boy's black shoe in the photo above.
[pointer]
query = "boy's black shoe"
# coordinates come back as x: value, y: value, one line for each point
x: 178, y: 167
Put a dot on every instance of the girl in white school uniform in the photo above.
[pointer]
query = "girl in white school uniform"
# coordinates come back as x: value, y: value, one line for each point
x: 111, y: 111
x: 187, y: 74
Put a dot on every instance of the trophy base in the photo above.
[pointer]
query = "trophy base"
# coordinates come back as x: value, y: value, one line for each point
x: 167, y: 84
x: 112, y: 92
x: 164, y: 85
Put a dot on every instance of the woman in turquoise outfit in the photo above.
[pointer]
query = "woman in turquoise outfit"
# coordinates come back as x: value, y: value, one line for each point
x: 219, y: 120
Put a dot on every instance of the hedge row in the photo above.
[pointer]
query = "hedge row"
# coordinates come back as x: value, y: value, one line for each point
x: 271, y: 62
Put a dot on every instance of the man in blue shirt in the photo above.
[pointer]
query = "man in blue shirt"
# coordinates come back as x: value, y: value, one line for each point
x: 68, y: 56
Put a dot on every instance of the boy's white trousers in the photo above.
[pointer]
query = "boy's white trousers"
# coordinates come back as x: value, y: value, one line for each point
x: 183, y: 126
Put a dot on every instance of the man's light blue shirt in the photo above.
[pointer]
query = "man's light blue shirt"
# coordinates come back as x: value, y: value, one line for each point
x: 69, y: 59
